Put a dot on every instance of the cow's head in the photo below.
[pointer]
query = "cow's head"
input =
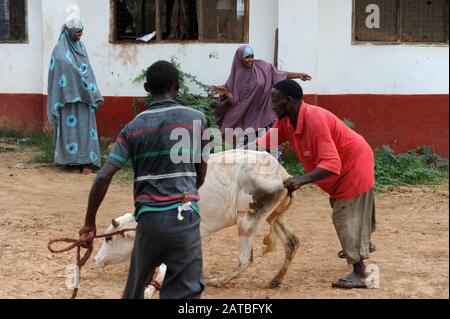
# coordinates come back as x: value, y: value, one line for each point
x: 117, y: 249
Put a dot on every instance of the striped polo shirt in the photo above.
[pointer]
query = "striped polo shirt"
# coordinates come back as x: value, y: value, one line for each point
x: 164, y: 144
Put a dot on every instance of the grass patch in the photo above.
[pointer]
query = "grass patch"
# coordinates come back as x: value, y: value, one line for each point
x: 42, y: 142
x: 419, y: 166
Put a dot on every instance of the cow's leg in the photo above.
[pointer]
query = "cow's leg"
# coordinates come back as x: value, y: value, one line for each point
x: 246, y: 231
x: 291, y: 244
x: 248, y: 224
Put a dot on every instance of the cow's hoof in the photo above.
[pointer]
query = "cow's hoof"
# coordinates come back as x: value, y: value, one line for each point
x: 274, y: 284
x: 214, y: 282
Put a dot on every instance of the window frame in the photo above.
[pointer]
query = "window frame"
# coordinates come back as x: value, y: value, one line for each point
x: 399, y: 26
x: 113, y: 28
x: 25, y: 40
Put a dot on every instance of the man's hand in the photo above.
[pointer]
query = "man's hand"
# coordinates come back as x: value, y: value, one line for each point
x: 294, y: 183
x: 88, y: 232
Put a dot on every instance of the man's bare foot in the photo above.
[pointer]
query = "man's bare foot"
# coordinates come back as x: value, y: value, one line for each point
x: 87, y: 170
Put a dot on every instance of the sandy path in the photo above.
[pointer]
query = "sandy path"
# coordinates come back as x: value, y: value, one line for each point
x: 39, y: 202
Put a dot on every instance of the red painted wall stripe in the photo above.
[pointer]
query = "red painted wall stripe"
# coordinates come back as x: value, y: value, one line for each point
x: 22, y: 112
x: 401, y: 121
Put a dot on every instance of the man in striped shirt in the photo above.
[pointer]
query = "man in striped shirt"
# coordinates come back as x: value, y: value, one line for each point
x: 168, y: 173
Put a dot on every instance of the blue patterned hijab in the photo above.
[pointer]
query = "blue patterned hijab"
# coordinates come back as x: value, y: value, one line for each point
x: 71, y: 78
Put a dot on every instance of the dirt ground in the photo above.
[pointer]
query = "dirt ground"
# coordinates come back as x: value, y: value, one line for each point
x: 40, y: 202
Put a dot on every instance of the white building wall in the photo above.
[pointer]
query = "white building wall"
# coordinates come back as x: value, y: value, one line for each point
x: 20, y: 63
x: 315, y: 37
x: 116, y: 65
x: 298, y: 40
x: 344, y: 68
x: 54, y: 15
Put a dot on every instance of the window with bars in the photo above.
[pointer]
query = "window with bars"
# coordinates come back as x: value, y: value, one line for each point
x: 13, y: 21
x: 180, y: 20
x: 400, y: 21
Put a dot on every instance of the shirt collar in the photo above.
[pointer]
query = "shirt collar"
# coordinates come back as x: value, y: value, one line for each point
x: 301, y: 118
x: 161, y: 104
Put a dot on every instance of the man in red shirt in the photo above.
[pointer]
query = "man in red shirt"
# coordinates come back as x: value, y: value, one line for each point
x: 339, y: 161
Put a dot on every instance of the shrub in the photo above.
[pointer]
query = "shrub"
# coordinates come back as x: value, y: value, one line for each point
x: 419, y: 166
x: 205, y: 103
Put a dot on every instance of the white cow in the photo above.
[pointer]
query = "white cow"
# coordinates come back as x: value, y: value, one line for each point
x: 241, y: 187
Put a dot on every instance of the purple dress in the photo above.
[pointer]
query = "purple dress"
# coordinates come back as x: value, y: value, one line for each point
x: 250, y: 105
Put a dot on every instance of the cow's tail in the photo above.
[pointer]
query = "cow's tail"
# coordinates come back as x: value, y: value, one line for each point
x: 270, y: 240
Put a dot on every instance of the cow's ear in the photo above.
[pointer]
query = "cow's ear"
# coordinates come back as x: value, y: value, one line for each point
x: 115, y: 223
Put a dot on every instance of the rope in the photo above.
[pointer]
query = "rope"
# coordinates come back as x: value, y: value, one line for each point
x: 85, y: 244
x: 156, y: 284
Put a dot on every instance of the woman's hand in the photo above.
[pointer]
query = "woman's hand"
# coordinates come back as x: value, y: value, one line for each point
x: 220, y: 90
x: 304, y: 77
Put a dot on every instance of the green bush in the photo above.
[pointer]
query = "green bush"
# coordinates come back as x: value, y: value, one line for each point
x: 418, y: 166
x: 202, y: 102
x: 290, y: 161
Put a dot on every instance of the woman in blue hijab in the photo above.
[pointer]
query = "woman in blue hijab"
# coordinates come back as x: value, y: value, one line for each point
x: 73, y: 99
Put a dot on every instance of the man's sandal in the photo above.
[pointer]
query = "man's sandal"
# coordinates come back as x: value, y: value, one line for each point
x: 351, y: 281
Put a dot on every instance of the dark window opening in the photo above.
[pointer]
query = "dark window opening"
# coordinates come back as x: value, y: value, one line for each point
x: 12, y: 21
x: 402, y: 21
x: 225, y: 20
x: 134, y: 18
x: 181, y: 20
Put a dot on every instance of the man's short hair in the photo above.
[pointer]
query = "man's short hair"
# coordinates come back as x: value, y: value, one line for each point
x: 161, y: 77
x: 290, y: 88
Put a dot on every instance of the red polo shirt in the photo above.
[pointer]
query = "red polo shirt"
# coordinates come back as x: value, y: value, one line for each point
x: 323, y: 140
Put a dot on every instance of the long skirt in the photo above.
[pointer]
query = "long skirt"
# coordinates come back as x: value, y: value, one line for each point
x: 76, y: 137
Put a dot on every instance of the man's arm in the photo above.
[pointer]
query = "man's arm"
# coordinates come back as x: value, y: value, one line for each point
x: 294, y: 183
x: 201, y: 170
x: 96, y: 196
x: 270, y: 141
x: 202, y: 167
